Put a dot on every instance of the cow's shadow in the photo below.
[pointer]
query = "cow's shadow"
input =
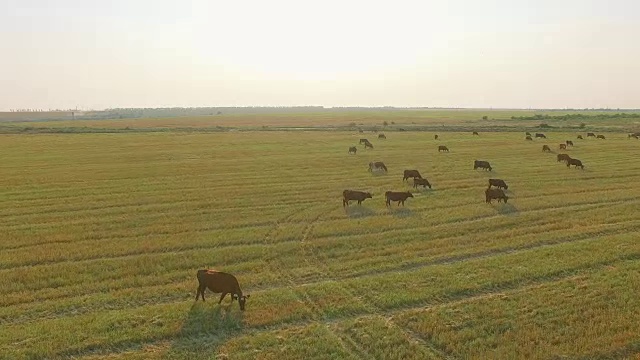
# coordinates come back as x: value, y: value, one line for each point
x: 400, y: 212
x: 378, y: 173
x: 358, y: 211
x: 216, y: 323
x: 505, y: 209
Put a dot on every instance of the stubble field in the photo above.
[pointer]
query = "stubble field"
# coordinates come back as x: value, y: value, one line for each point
x: 102, y: 235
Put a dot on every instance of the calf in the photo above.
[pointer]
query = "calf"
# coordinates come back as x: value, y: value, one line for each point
x: 400, y: 197
x: 569, y: 143
x: 528, y: 137
x: 563, y: 146
x: 377, y: 165
x: 540, y: 135
x: 481, y: 164
x: 580, y: 137
x: 443, y: 148
x: 421, y: 182
x: 546, y: 148
x: 359, y: 196
x: 499, y: 183
x: 577, y: 163
x: 600, y: 137
x: 220, y: 282
x: 436, y: 137
x: 411, y: 174
x: 498, y: 194
x: 353, y: 150
x: 563, y: 157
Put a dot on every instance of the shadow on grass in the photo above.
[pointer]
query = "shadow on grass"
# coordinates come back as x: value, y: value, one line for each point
x: 358, y: 211
x: 401, y: 212
x: 207, y: 327
x: 505, y: 209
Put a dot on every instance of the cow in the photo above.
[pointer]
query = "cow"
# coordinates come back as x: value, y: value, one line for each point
x: 563, y: 157
x: 563, y: 146
x: 527, y: 133
x: 220, y: 282
x: 499, y: 183
x: 359, y: 196
x: 528, y: 137
x: 353, y: 150
x: 436, y: 137
x: 600, y: 137
x: 400, y: 197
x: 475, y: 133
x: 443, y: 148
x: 377, y: 165
x: 541, y: 135
x: 498, y: 194
x: 575, y: 162
x: 580, y: 137
x: 411, y: 174
x: 360, y: 131
x: 382, y: 136
x: 546, y: 148
x: 634, y: 135
x: 368, y: 145
x: 569, y: 143
x: 591, y: 135
x: 363, y: 141
x: 421, y: 182
x: 481, y: 164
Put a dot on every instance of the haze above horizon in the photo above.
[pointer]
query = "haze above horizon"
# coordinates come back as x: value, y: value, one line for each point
x: 461, y: 53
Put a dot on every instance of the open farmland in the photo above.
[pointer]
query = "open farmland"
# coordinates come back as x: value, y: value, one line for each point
x: 102, y: 235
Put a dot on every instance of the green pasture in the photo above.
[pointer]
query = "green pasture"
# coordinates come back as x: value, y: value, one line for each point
x: 102, y: 235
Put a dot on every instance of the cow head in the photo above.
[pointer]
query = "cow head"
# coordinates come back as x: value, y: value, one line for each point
x: 369, y: 196
x: 242, y: 300
x: 505, y: 199
x: 409, y: 194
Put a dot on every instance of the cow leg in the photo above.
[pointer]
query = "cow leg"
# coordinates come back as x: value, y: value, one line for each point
x: 345, y: 203
x: 200, y: 291
x: 222, y: 297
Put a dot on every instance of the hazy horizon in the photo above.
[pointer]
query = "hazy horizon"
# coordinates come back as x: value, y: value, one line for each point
x: 494, y: 54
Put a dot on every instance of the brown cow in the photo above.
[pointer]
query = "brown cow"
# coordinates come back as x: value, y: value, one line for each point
x: 353, y: 150
x: 577, y: 163
x: 421, y: 182
x: 359, y: 196
x: 569, y: 143
x: 368, y: 145
x: 600, y: 137
x: 377, y: 165
x: 546, y: 148
x: 498, y: 194
x: 591, y: 135
x: 411, y: 174
x: 580, y: 137
x: 436, y: 137
x: 563, y: 157
x: 528, y: 138
x: 400, y: 197
x: 443, y: 148
x: 382, y: 136
x: 363, y: 141
x: 475, y: 133
x: 220, y: 282
x: 541, y: 135
x: 499, y: 183
x: 563, y: 146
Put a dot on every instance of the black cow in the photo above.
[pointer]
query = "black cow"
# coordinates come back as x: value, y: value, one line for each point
x: 569, y: 143
x: 353, y: 150
x: 591, y: 135
x: 363, y: 141
x: 580, y: 137
x: 443, y: 148
x: 563, y: 157
x: 421, y: 182
x: 368, y: 145
x: 528, y: 137
x: 600, y: 137
x: 359, y: 196
x: 498, y: 194
x: 377, y: 165
x: 475, y: 133
x: 577, y: 163
x: 499, y: 183
x: 546, y: 148
x: 563, y: 146
x: 436, y: 137
x: 482, y: 165
x: 400, y: 197
x: 220, y: 282
x: 411, y: 174
x: 540, y: 135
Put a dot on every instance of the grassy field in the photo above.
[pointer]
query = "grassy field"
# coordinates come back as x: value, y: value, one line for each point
x: 102, y: 235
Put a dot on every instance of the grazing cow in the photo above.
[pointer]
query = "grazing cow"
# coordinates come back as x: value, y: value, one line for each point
x: 591, y: 135
x: 499, y: 183
x: 498, y: 194
x: 580, y: 137
x: 540, y: 135
x: 527, y: 133
x: 353, y: 150
x: 575, y: 162
x: 563, y: 157
x: 411, y: 174
x: 528, y: 138
x: 377, y: 165
x: 400, y: 197
x: 563, y: 146
x: 368, y: 145
x: 634, y: 135
x: 443, y: 148
x: 600, y: 137
x: 546, y: 148
x: 220, y: 282
x: 382, y: 136
x: 569, y: 143
x: 436, y: 137
x: 421, y: 181
x: 475, y: 133
x: 359, y: 196
x: 481, y: 164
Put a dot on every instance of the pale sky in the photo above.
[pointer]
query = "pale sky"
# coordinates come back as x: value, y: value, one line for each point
x: 455, y: 53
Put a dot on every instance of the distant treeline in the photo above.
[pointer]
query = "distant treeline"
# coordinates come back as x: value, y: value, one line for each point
x: 578, y: 116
